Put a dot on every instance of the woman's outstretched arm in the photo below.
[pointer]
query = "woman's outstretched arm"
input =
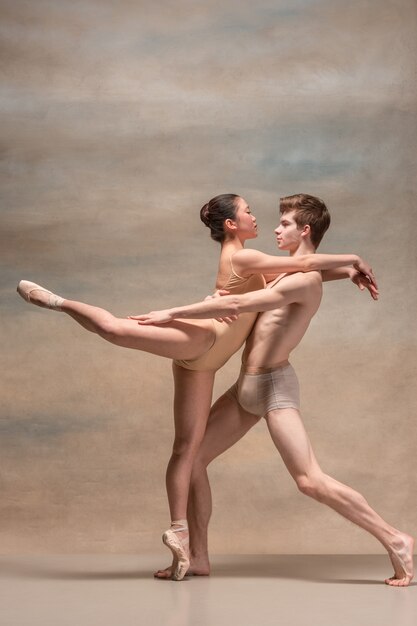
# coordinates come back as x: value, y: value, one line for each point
x: 357, y: 278
x: 248, y: 262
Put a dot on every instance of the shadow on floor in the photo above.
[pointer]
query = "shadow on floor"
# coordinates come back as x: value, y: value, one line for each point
x: 329, y: 569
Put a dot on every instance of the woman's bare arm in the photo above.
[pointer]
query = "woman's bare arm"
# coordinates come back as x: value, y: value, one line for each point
x: 248, y: 262
x: 357, y: 278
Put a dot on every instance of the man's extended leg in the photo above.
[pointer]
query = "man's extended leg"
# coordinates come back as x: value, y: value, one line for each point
x: 227, y: 423
x: 289, y: 435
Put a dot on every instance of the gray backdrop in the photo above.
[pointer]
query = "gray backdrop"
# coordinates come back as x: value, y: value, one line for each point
x: 119, y: 120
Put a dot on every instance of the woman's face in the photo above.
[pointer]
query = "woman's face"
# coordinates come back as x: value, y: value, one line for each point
x: 246, y: 222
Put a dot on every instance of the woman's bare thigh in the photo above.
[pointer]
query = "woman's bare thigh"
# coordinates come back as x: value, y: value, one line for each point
x: 176, y: 340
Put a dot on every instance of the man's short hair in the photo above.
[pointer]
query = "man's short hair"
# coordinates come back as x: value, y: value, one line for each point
x: 309, y: 211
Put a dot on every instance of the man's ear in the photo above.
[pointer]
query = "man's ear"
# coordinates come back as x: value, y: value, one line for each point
x: 306, y: 230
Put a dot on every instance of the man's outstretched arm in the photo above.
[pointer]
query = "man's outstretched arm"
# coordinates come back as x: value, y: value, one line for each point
x: 232, y: 306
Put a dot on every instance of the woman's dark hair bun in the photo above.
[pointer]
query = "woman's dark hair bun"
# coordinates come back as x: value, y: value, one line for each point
x: 204, y: 214
x: 216, y: 212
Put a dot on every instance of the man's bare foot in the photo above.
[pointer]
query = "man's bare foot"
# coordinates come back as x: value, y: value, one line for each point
x: 198, y: 567
x: 401, y: 555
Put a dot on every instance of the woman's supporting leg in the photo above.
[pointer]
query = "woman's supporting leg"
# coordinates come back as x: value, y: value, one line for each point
x: 193, y: 394
x: 192, y: 401
x: 228, y: 422
x: 290, y: 438
x: 176, y: 340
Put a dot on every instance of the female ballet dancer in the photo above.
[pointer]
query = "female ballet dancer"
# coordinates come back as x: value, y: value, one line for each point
x: 199, y: 347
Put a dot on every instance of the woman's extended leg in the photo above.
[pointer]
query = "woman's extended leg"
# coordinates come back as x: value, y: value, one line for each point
x: 179, y: 340
x: 176, y: 340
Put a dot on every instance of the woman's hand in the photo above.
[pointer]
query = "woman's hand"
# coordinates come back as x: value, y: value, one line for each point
x: 364, y: 282
x: 364, y: 268
x: 154, y: 317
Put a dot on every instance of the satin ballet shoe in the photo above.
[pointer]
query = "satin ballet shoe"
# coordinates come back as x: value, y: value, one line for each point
x: 178, y: 548
x: 48, y: 301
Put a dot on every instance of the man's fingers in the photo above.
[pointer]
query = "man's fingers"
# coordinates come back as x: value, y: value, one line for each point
x: 217, y: 294
x: 228, y: 319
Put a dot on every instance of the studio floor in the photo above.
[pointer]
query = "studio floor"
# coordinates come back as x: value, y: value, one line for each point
x: 255, y: 590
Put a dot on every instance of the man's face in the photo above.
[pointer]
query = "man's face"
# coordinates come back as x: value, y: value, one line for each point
x: 287, y: 232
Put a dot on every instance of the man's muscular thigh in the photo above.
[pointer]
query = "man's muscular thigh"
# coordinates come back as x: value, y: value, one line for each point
x: 228, y: 422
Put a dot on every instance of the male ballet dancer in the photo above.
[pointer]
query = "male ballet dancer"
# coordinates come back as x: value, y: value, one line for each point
x: 268, y: 387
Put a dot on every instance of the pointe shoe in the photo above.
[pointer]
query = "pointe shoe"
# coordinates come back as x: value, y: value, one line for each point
x: 178, y: 549
x: 49, y: 301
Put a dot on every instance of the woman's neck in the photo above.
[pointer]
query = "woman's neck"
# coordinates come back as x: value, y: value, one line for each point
x: 228, y: 249
x: 230, y: 246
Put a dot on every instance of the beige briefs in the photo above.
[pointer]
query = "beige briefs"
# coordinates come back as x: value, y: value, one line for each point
x: 273, y: 388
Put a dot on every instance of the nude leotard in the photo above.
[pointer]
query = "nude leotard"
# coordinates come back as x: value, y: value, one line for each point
x: 228, y: 338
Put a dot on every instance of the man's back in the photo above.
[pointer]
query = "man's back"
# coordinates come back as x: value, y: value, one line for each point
x: 277, y: 332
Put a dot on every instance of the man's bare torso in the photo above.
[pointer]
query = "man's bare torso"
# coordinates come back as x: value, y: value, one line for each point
x: 276, y: 333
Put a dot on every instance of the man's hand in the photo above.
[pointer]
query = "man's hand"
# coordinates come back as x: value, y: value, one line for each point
x: 363, y: 282
x: 217, y: 294
x: 364, y: 268
x: 168, y: 315
x: 154, y: 317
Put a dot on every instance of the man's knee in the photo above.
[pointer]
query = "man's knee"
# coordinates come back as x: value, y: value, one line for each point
x: 313, y: 486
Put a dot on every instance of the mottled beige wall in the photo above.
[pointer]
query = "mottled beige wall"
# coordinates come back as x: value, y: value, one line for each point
x: 119, y: 120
